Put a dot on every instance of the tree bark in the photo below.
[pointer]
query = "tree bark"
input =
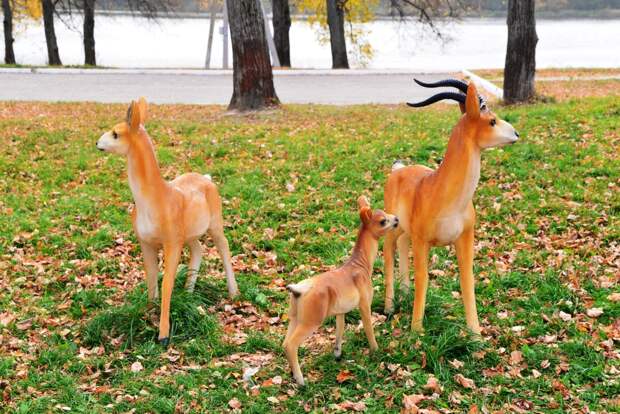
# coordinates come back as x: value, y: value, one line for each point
x: 252, y: 76
x: 89, y: 33
x: 9, y: 54
x: 335, y: 20
x: 281, y: 27
x: 520, y: 67
x: 53, y: 56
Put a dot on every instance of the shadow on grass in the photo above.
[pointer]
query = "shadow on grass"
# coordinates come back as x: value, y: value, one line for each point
x: 189, y: 316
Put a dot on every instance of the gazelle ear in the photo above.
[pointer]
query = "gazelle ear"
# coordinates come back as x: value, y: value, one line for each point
x: 362, y: 201
x: 133, y: 117
x: 142, y: 105
x: 472, y: 103
x: 365, y: 214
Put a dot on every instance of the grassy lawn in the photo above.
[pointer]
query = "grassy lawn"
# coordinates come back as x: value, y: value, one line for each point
x: 74, y: 331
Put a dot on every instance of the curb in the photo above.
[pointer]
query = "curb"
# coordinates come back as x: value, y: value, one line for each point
x: 215, y: 72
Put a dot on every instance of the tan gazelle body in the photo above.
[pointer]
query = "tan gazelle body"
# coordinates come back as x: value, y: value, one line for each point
x: 435, y: 207
x: 338, y: 291
x: 168, y: 214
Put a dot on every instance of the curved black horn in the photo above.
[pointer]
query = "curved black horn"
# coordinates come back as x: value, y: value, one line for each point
x: 454, y: 83
x: 459, y: 97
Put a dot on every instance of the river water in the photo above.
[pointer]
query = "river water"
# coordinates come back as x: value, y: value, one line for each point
x: 131, y: 42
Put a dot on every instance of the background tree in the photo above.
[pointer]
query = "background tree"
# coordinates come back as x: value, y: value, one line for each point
x: 281, y: 28
x: 335, y: 21
x: 88, y: 7
x: 49, y: 9
x: 354, y: 13
x: 520, y: 66
x: 9, y: 54
x: 252, y: 75
x: 428, y: 12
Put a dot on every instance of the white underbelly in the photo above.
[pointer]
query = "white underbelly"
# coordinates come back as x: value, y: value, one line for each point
x: 346, y: 304
x: 448, y: 229
x: 146, y: 227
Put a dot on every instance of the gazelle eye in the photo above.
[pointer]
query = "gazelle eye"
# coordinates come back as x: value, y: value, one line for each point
x: 114, y: 135
x: 493, y: 122
x: 383, y: 222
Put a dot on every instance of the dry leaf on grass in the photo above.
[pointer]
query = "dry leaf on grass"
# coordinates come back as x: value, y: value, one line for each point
x: 344, y: 375
x: 235, y: 404
x: 433, y: 385
x: 594, y: 312
x: 352, y: 406
x: 465, y: 382
x: 516, y: 357
x: 136, y: 366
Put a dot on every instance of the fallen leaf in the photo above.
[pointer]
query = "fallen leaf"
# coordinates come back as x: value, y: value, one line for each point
x: 410, y: 402
x: 273, y: 400
x: 516, y: 357
x: 566, y: 317
x: 594, y: 312
x: 614, y: 297
x: 235, y: 404
x: 465, y: 382
x: 457, y: 364
x: 433, y: 385
x: 249, y: 372
x: 344, y: 375
x: 352, y: 406
x: 136, y: 366
x: 6, y: 318
x: 277, y: 380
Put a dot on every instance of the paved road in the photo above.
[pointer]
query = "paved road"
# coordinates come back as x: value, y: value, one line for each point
x: 324, y: 87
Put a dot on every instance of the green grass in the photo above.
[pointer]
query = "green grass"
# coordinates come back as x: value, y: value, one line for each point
x: 72, y: 280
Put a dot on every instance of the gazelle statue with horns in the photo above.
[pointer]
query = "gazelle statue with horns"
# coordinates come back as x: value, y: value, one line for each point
x: 167, y: 214
x: 435, y: 206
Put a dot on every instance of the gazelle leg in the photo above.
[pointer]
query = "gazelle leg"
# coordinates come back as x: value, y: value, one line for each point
x: 465, y: 255
x: 388, y: 258
x: 194, y: 264
x: 339, y: 333
x: 403, y: 262
x: 291, y: 347
x: 367, y: 322
x: 149, y: 254
x: 172, y: 254
x: 221, y: 243
x: 420, y: 264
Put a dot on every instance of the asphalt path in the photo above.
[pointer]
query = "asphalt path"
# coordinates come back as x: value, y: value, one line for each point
x: 205, y: 87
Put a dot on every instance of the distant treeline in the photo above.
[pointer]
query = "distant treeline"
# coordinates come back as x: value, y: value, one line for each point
x: 545, y: 8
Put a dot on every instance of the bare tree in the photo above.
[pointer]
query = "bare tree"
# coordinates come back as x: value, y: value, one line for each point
x: 145, y: 8
x: 252, y: 75
x: 428, y: 12
x: 89, y: 32
x: 9, y: 54
x: 49, y: 8
x: 520, y: 67
x: 281, y: 28
x: 335, y: 20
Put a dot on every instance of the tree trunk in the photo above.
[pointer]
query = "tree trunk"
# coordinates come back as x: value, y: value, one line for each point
x: 520, y: 67
x: 335, y: 20
x: 281, y: 27
x: 89, y: 33
x: 252, y: 76
x: 53, y: 56
x: 9, y: 54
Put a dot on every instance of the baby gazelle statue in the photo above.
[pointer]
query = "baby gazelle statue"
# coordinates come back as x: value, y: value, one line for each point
x: 338, y: 291
x: 435, y: 207
x: 167, y: 214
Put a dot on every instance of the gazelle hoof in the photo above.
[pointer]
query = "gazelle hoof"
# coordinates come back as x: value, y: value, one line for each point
x: 164, y: 342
